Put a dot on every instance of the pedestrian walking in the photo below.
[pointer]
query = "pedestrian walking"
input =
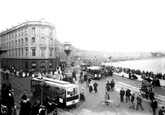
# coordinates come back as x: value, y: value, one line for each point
x: 95, y: 86
x: 106, y: 98
x: 154, y: 105
x: 88, y: 82
x: 128, y: 94
x: 90, y: 87
x: 112, y: 85
x: 139, y: 102
x: 151, y: 95
x: 82, y: 97
x: 108, y: 86
x: 162, y: 111
x: 122, y: 93
x: 85, y: 77
x: 132, y: 101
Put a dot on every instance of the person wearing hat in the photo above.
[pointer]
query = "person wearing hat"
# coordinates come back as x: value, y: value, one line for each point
x: 162, y: 111
x: 154, y: 105
x: 132, y: 101
x: 82, y: 97
x: 139, y: 102
x: 106, y: 98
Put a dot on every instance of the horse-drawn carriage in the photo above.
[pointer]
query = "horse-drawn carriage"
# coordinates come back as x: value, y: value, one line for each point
x: 146, y: 87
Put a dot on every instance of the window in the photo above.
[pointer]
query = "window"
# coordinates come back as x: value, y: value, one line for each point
x: 42, y: 30
x: 34, y: 65
x: 9, y: 44
x: 15, y: 34
x: 33, y: 30
x: 26, y: 52
x: 50, y: 31
x: 22, y: 41
x: 22, y: 51
x: 15, y: 43
x: 26, y: 31
x: 42, y: 40
x: 33, y: 52
x: 42, y: 53
x: 15, y: 52
x: 12, y: 52
x: 19, y: 33
x: 26, y: 40
x: 22, y: 32
x: 9, y: 53
x: 51, y: 52
x: 18, y: 42
x: 72, y: 91
x: 18, y: 52
x: 33, y: 40
x: 51, y: 41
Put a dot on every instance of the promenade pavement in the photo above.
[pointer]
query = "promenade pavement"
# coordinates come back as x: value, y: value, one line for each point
x: 94, y: 101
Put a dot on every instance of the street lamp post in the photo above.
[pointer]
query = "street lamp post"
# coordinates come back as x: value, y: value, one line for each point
x: 42, y: 81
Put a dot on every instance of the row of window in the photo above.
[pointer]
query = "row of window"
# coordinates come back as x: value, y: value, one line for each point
x: 21, y: 42
x: 33, y: 64
x: 21, y: 51
x: 22, y: 32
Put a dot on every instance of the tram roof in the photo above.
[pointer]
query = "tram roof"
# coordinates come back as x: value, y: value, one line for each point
x: 94, y: 67
x: 54, y: 81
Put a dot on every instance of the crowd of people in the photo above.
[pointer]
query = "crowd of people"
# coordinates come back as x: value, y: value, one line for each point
x: 27, y: 107
x: 139, y: 72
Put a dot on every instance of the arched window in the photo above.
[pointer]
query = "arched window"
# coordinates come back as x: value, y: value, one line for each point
x: 26, y: 40
x: 42, y: 40
x: 51, y: 64
x: 51, y: 41
x: 18, y: 42
x: 43, y: 64
x: 34, y: 65
x: 33, y: 40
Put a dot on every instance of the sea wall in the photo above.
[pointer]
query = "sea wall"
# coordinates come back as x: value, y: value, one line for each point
x: 162, y: 82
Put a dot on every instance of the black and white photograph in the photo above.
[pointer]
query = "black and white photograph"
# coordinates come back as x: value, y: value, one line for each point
x: 82, y: 57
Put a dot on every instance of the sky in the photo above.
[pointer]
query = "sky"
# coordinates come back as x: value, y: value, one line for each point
x: 98, y: 25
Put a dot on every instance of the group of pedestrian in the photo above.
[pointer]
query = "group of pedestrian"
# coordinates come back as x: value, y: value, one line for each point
x: 131, y: 98
x: 93, y: 87
x: 110, y: 85
x: 7, y: 99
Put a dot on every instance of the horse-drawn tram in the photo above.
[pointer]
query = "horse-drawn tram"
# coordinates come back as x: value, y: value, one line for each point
x: 94, y: 72
x: 64, y: 93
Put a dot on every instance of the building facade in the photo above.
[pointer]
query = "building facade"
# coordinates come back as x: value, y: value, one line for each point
x: 30, y: 45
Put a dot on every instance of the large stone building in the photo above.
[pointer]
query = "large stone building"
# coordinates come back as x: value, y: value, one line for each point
x: 30, y: 45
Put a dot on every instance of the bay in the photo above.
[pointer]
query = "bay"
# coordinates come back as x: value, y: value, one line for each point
x: 156, y: 65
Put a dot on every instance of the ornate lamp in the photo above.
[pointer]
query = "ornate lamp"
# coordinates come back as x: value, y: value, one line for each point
x: 67, y: 51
